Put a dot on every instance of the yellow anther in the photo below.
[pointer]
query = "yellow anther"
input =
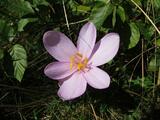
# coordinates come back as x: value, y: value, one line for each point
x: 85, y: 61
x: 79, y: 55
x: 78, y: 61
x: 80, y: 66
x: 71, y: 62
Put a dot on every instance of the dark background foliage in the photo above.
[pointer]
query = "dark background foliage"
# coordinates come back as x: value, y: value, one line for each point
x: 26, y: 93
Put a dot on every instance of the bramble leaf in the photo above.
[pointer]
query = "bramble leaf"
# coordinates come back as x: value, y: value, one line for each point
x: 100, y: 13
x: 23, y: 22
x: 135, y: 35
x: 121, y: 13
x: 19, y: 58
x: 19, y: 8
x: 6, y: 31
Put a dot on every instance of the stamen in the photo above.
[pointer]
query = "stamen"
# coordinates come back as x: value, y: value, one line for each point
x: 79, y: 55
x: 85, y: 61
x: 80, y: 66
x: 78, y: 61
x: 71, y: 62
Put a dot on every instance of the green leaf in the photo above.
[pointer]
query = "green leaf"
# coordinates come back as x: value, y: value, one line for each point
x: 6, y: 31
x: 76, y: 7
x: 146, y: 30
x: 100, y: 13
x: 104, y: 30
x: 40, y: 2
x: 138, y: 82
x: 158, y: 42
x: 19, y: 58
x: 121, y: 13
x: 19, y: 8
x: 135, y: 35
x: 154, y: 64
x: 103, y: 1
x: 156, y: 3
x: 114, y: 16
x: 89, y: 2
x: 83, y: 9
x: 23, y: 22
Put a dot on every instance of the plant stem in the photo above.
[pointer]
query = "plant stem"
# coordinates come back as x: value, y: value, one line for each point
x: 146, y: 16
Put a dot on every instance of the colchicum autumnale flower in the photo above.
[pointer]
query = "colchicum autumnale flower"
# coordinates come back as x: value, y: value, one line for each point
x: 78, y: 66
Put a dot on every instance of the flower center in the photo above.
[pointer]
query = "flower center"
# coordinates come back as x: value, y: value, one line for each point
x: 78, y: 61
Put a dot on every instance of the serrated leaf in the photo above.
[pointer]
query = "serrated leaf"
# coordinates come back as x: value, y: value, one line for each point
x: 114, y: 16
x: 135, y: 35
x: 19, y: 58
x: 6, y: 31
x: 121, y: 13
x: 100, y: 13
x: 19, y: 8
x: 23, y: 22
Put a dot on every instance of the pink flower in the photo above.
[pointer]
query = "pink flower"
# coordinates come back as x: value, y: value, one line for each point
x: 78, y: 66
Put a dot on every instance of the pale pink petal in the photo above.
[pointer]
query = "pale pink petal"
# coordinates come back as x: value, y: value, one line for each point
x: 97, y: 78
x: 105, y: 49
x: 58, y: 70
x: 60, y: 82
x: 86, y: 39
x: 59, y: 45
x: 72, y: 88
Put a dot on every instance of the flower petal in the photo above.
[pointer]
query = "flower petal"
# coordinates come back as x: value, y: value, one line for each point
x: 59, y: 45
x: 105, y: 49
x: 97, y: 78
x: 58, y: 70
x: 72, y: 88
x: 86, y: 39
x: 60, y: 82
